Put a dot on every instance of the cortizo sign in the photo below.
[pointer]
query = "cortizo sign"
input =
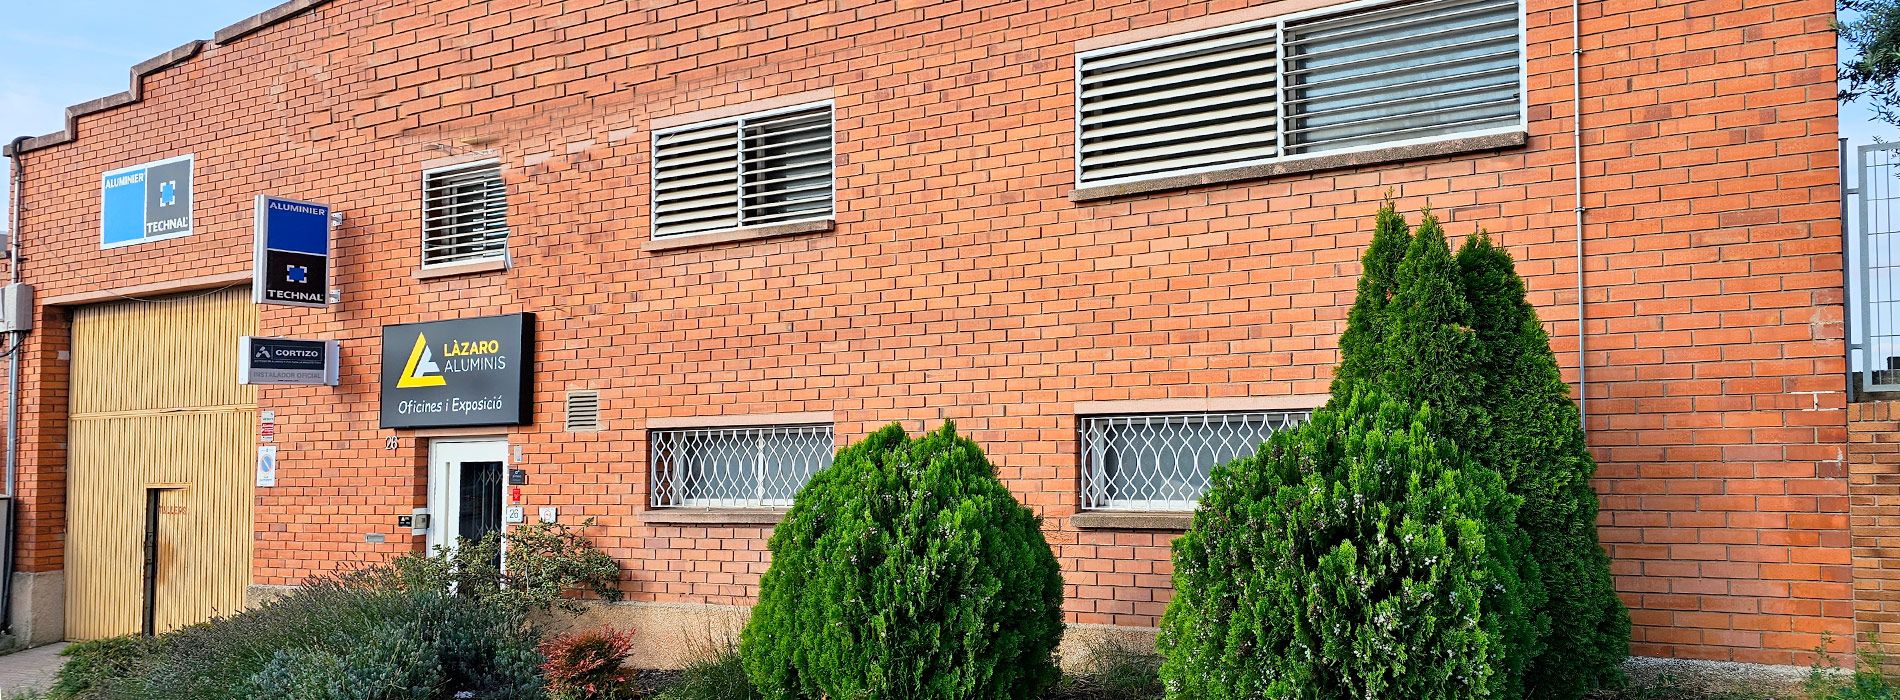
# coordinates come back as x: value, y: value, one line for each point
x: 465, y: 372
x: 287, y: 361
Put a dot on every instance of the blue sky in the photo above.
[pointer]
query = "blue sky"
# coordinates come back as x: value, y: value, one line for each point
x: 55, y: 53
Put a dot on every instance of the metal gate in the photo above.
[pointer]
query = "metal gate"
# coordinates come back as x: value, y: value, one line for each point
x: 158, y: 421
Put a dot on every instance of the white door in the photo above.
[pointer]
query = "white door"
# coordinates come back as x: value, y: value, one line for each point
x: 465, y: 489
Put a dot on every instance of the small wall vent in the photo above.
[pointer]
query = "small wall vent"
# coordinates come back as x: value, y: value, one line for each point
x: 583, y: 411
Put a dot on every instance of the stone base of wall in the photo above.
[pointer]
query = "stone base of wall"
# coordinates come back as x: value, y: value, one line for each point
x: 672, y: 635
x: 1666, y: 677
x: 259, y: 594
x: 38, y: 614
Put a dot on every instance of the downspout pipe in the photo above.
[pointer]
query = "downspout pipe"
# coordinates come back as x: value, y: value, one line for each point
x: 1576, y: 157
x: 8, y: 563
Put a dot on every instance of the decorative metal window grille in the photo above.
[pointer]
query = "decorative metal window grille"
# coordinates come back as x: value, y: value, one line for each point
x: 1362, y: 76
x: 758, y: 467
x: 767, y: 168
x: 1162, y: 461
x: 464, y: 214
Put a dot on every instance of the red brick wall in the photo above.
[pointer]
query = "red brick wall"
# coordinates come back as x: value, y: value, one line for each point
x: 1874, y: 454
x: 962, y: 283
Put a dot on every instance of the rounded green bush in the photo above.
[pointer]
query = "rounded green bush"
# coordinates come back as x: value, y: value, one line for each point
x: 906, y: 570
x: 1357, y: 556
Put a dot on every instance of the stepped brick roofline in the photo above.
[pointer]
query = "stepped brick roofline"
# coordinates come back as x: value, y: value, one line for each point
x: 136, y: 92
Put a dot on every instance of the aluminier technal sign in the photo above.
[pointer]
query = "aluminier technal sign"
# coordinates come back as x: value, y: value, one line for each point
x: 145, y: 202
x: 465, y: 372
x: 291, y: 252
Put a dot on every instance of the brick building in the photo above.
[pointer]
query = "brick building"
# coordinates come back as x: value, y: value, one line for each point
x: 865, y: 212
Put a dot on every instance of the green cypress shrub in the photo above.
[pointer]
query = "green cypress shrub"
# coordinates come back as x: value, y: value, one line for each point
x: 1539, y: 447
x: 904, y: 571
x: 1359, y: 355
x: 1357, y: 556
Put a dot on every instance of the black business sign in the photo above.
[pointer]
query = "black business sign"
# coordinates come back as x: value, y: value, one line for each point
x: 465, y: 372
x: 291, y: 253
x: 287, y: 361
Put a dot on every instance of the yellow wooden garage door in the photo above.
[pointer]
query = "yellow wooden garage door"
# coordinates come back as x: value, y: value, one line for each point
x: 161, y: 435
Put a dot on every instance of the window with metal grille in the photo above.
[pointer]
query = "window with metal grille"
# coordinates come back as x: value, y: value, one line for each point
x: 751, y: 467
x: 1362, y: 76
x: 1162, y: 461
x: 767, y: 168
x: 464, y: 214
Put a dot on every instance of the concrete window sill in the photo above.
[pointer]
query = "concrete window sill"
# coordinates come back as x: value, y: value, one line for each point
x: 711, y: 516
x: 459, y: 269
x: 749, y: 233
x: 1489, y: 142
x: 1174, y: 521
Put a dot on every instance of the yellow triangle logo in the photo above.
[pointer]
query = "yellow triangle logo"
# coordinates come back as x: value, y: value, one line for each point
x: 417, y: 372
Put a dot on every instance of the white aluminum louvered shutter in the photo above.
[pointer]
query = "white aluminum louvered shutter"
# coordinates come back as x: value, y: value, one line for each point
x: 464, y: 214
x: 695, y: 181
x: 1401, y: 71
x: 1184, y: 104
x: 769, y: 168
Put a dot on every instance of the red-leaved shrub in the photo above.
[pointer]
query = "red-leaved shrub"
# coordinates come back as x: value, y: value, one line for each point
x: 587, y: 665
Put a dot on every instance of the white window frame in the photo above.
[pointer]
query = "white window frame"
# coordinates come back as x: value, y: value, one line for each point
x: 1279, y: 71
x: 422, y: 240
x: 738, y: 122
x: 659, y: 498
x: 1090, y: 456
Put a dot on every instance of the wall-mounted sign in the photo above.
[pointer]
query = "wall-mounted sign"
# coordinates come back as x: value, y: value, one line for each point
x: 287, y: 361
x: 466, y: 372
x: 291, y: 253
x: 267, y: 465
x: 145, y: 202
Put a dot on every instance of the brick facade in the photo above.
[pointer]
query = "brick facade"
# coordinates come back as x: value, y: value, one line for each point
x: 961, y: 282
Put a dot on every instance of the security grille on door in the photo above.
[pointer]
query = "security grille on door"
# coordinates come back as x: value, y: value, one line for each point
x: 1162, y: 461
x: 755, y: 467
x: 767, y: 168
x: 1361, y: 76
x: 464, y: 214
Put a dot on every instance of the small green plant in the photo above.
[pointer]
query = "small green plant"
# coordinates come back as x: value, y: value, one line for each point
x: 906, y: 571
x: 90, y: 663
x: 715, y: 672
x: 1826, y: 680
x: 587, y: 665
x: 544, y: 562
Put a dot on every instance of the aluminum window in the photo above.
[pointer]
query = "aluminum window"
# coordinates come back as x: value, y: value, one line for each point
x: 464, y: 214
x: 1162, y: 461
x: 1361, y: 76
x: 768, y: 168
x: 750, y: 467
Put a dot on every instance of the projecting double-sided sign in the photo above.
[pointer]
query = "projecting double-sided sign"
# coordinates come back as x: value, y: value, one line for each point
x: 287, y: 361
x: 145, y: 202
x: 291, y: 263
x: 465, y: 372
